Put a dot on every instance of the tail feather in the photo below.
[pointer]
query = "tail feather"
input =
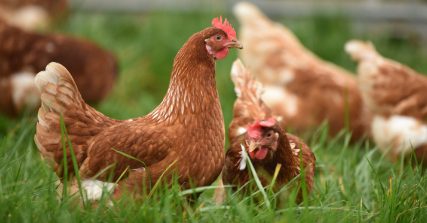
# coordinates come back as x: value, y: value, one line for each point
x: 57, y: 88
x: 249, y: 92
x: 360, y: 50
x: 61, y: 97
x: 244, y: 84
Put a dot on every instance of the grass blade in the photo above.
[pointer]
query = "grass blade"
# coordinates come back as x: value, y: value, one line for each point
x: 64, y: 139
x: 256, y: 178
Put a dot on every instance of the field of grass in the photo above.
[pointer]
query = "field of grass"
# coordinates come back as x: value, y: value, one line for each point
x: 353, y: 183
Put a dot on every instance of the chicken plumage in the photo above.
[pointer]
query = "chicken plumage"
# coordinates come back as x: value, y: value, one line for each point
x: 300, y: 88
x: 23, y: 54
x: 268, y: 145
x: 32, y: 14
x: 184, y: 135
x: 396, y: 95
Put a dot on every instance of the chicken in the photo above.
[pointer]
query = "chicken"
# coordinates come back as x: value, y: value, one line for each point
x: 300, y: 88
x: 32, y: 14
x: 396, y: 95
x: 254, y: 129
x: 23, y: 53
x: 184, y: 135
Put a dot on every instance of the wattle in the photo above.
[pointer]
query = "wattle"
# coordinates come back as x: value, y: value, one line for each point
x: 221, y: 54
x: 261, y: 153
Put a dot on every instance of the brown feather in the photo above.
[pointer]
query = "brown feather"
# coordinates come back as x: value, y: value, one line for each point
x: 184, y: 134
x: 308, y: 89
x: 93, y: 69
x: 248, y: 108
x: 392, y: 91
x: 389, y: 88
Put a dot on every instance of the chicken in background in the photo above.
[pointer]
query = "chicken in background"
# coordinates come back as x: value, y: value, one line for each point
x: 254, y: 130
x: 32, y: 14
x: 23, y: 54
x: 397, y: 97
x: 300, y: 88
x: 184, y: 135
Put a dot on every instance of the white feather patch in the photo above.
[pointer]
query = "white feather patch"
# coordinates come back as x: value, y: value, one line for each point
x: 294, y: 149
x: 95, y: 188
x: 242, y: 164
x: 45, y: 77
x: 30, y: 18
x: 286, y: 76
x: 401, y: 134
x: 24, y: 91
x: 241, y: 130
x: 277, y: 96
x: 236, y: 71
x: 360, y: 50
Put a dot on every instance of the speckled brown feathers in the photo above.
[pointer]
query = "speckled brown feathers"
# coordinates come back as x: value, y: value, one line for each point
x: 93, y: 69
x: 396, y: 95
x: 249, y: 108
x: 298, y: 86
x: 389, y: 87
x: 60, y: 95
x: 184, y: 134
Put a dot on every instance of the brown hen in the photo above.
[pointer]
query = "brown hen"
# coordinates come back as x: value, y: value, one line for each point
x: 23, y: 54
x: 396, y: 95
x: 299, y: 87
x: 184, y: 134
x: 268, y: 145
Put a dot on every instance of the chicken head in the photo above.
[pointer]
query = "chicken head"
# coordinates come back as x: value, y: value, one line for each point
x: 218, y: 44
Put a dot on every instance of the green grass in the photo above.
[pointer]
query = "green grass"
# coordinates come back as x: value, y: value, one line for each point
x: 353, y: 183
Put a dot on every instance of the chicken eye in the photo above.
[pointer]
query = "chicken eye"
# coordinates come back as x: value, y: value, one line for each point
x: 269, y: 134
x: 218, y: 37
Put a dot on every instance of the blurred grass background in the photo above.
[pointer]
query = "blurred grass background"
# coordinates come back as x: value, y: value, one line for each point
x: 354, y: 183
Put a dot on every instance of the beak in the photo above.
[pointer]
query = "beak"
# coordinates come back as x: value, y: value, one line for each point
x: 234, y: 43
x: 252, y: 146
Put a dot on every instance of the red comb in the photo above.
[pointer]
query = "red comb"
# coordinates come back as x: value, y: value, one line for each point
x: 268, y: 123
x: 254, y: 130
x: 225, y: 26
